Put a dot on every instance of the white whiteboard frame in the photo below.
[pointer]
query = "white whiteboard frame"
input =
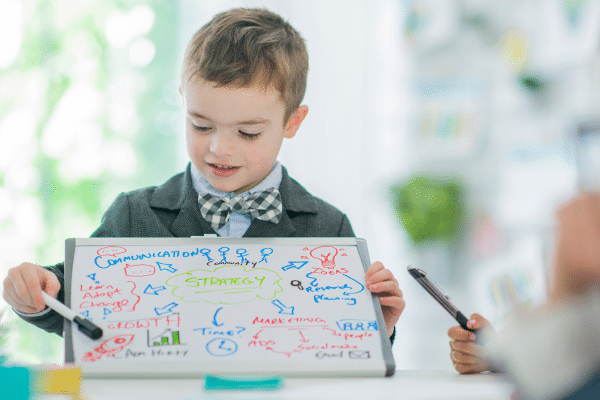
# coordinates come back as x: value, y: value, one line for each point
x: 196, y: 370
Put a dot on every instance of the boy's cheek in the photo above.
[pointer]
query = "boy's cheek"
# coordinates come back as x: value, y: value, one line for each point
x: 195, y: 147
x: 189, y: 142
x: 261, y: 156
x: 256, y: 153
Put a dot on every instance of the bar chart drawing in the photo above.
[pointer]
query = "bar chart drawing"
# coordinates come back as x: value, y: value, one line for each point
x: 167, y: 338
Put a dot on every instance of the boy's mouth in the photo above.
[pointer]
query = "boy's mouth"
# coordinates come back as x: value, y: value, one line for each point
x: 222, y: 170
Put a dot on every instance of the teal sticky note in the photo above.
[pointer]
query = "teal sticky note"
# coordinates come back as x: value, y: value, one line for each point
x: 15, y: 383
x: 243, y: 382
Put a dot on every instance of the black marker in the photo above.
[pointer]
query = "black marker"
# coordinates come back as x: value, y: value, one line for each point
x: 85, y: 325
x: 440, y: 296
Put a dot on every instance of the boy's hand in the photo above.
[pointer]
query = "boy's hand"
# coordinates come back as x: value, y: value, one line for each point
x: 467, y: 356
x: 381, y: 282
x: 24, y: 284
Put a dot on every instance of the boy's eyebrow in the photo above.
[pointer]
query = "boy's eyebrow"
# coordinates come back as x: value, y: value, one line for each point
x: 255, y: 121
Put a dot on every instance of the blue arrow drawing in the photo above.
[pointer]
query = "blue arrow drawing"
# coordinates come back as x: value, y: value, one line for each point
x: 283, y: 309
x: 165, y: 267
x: 165, y: 309
x: 153, y: 290
x: 295, y: 264
x: 361, y: 286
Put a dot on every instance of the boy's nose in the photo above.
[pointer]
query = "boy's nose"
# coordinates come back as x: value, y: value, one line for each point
x: 221, y: 144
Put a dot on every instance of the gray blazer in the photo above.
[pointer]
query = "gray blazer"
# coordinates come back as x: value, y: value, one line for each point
x: 171, y: 210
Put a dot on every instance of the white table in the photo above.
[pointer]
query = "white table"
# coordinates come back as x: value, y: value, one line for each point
x: 403, y: 385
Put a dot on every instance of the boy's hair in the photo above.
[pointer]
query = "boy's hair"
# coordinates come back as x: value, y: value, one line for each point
x: 245, y: 46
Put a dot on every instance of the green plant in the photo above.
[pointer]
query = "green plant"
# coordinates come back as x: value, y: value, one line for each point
x: 429, y: 209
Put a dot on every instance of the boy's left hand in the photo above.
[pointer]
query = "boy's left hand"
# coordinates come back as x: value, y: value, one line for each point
x: 381, y: 282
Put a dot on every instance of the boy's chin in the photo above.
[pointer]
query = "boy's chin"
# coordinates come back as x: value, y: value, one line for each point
x: 228, y: 188
x: 228, y: 185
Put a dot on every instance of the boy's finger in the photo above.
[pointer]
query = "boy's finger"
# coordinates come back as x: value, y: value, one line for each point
x: 386, y: 288
x: 374, y: 268
x: 24, y: 282
x: 13, y: 300
x: 50, y: 283
x: 34, y: 281
x: 381, y: 276
x: 394, y: 302
x: 9, y: 297
x: 393, y: 291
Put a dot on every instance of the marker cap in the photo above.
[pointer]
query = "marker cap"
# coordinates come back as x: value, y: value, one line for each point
x: 88, y: 328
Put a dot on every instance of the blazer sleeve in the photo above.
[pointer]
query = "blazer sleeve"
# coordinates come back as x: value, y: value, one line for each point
x: 115, y: 223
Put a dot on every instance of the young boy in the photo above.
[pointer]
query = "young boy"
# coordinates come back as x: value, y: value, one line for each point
x: 243, y: 80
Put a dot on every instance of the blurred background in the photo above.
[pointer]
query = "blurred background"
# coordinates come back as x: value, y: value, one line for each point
x: 449, y: 132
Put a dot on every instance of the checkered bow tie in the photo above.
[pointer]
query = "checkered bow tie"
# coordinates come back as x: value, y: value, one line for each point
x: 265, y: 205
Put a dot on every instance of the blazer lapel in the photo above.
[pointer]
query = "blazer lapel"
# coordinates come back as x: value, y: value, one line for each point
x: 178, y: 194
x: 189, y: 221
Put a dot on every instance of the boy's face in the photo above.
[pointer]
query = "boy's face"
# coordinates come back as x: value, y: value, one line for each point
x: 233, y: 135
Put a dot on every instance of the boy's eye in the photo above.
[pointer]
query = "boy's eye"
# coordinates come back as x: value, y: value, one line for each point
x: 201, y: 128
x: 249, y: 136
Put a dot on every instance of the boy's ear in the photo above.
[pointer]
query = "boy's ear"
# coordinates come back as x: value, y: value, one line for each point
x: 295, y: 120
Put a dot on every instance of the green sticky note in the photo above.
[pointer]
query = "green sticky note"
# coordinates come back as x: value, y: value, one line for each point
x: 243, y: 382
x: 15, y: 383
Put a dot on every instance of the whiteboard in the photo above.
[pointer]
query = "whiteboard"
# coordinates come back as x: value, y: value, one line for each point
x: 187, y: 307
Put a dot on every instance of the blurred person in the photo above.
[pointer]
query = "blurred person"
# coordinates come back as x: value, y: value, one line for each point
x: 552, y: 352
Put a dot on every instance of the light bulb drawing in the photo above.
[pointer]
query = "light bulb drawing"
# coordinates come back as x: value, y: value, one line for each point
x: 326, y: 254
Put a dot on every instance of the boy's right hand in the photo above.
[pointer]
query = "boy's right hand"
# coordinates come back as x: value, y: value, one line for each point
x: 24, y: 284
x: 467, y: 356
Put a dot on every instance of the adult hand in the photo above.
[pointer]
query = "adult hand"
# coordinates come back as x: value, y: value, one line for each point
x: 467, y: 356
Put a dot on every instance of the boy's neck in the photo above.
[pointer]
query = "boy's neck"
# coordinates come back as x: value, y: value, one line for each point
x: 201, y: 184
